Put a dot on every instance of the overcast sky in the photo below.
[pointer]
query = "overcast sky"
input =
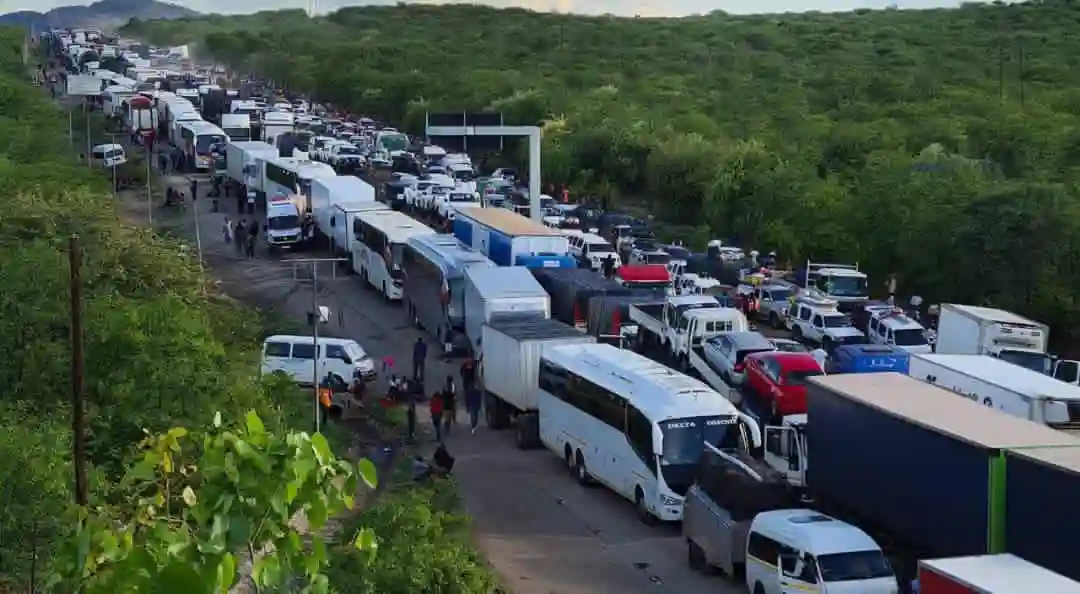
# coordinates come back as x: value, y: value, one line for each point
x: 620, y: 7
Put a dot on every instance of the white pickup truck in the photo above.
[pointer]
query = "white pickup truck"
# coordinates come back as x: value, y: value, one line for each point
x: 677, y: 325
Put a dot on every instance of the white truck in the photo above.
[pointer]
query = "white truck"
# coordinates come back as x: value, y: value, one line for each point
x: 973, y: 330
x: 501, y: 292
x: 281, y: 228
x: 509, y: 368
x: 677, y: 325
x: 996, y: 383
x: 275, y: 124
x: 332, y: 201
x: 237, y: 126
x: 244, y: 160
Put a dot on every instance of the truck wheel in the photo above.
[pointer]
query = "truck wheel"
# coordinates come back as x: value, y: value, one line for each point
x: 796, y: 333
x: 521, y: 434
x: 695, y: 556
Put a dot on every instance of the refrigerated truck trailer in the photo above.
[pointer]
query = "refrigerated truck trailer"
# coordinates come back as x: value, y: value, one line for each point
x: 991, y: 574
x: 509, y: 368
x: 1041, y: 525
x: 902, y: 457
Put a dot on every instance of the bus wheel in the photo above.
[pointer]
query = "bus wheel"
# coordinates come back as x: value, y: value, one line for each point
x: 643, y: 507
x: 581, y: 471
x: 568, y: 457
x: 385, y: 293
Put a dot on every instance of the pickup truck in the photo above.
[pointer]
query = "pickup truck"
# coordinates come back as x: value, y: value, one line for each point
x: 701, y: 367
x: 344, y: 155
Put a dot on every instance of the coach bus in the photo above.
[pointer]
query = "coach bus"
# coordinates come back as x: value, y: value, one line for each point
x: 380, y: 243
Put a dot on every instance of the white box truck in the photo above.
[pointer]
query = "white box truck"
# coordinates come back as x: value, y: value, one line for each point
x: 996, y: 383
x: 972, y: 330
x: 509, y: 368
x: 506, y: 292
x: 243, y: 161
x: 332, y: 198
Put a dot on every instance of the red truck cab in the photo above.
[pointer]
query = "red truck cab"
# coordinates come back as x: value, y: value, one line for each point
x: 778, y: 380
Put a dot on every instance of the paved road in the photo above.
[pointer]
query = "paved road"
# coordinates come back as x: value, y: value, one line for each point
x: 540, y: 531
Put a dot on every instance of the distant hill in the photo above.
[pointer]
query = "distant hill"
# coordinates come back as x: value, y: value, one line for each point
x: 106, y: 14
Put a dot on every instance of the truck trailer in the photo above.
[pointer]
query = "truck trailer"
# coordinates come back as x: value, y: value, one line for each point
x: 1043, y: 486
x: 243, y: 160
x: 1012, y: 389
x: 509, y: 239
x: 972, y: 330
x: 911, y: 460
x: 332, y: 198
x: 990, y: 574
x: 571, y: 289
x: 512, y: 349
x: 509, y: 292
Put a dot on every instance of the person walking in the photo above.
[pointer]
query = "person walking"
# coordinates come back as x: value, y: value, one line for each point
x: 468, y: 373
x: 449, y: 404
x: 409, y: 393
x: 419, y: 356
x: 253, y: 234
x: 436, y: 408
x: 240, y: 234
x: 473, y: 402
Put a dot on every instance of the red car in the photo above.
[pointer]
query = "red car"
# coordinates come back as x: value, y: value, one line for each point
x: 778, y: 380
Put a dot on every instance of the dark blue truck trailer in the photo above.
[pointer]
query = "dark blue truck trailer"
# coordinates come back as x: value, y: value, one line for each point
x: 1042, y: 489
x: 915, y: 464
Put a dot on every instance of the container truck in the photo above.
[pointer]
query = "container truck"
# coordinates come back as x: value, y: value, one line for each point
x: 907, y: 459
x: 509, y: 239
x: 609, y: 318
x: 571, y: 289
x: 972, y: 330
x: 501, y: 293
x: 1043, y: 486
x: 996, y: 383
x: 332, y: 201
x: 990, y: 574
x: 244, y: 160
x: 512, y: 350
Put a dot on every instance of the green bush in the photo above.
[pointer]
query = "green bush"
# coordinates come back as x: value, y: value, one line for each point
x: 423, y: 542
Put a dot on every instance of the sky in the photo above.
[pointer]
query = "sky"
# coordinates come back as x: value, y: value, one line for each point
x: 618, y: 7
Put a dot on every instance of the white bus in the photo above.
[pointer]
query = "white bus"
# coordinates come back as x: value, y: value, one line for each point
x: 289, y: 176
x: 379, y: 247
x: 633, y: 425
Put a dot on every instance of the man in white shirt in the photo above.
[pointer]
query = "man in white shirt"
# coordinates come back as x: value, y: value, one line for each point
x: 820, y: 356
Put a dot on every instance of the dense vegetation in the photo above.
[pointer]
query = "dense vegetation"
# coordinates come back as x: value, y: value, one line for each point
x: 940, y: 145
x: 165, y: 356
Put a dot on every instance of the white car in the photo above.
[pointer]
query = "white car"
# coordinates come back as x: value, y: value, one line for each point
x: 726, y: 352
x: 458, y: 198
x: 340, y: 358
x: 818, y: 321
x: 592, y: 249
x: 108, y: 155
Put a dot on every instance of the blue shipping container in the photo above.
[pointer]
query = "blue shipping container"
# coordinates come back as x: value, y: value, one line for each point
x: 1042, y: 488
x: 869, y: 358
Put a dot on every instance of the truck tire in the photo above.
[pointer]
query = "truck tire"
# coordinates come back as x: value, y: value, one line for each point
x: 581, y: 471
x: 695, y: 556
x: 527, y: 431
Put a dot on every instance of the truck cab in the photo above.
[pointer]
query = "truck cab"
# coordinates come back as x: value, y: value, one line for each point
x: 666, y: 324
x: 281, y: 229
x: 785, y: 449
x: 974, y: 330
x: 842, y: 283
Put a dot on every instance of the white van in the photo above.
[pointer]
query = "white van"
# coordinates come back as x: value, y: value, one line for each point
x: 295, y: 356
x: 793, y: 551
x: 108, y: 155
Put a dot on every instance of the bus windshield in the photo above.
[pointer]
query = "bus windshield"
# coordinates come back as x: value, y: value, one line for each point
x: 684, y: 443
x: 205, y: 141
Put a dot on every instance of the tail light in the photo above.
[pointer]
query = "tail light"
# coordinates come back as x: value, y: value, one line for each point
x: 740, y: 367
x: 616, y: 322
x: 577, y: 314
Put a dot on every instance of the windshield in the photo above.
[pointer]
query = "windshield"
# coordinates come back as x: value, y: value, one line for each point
x: 238, y: 133
x: 780, y: 294
x: 909, y: 337
x: 283, y: 223
x: 798, y: 377
x: 840, y: 321
x: 205, y: 141
x: 600, y: 248
x: 108, y: 154
x: 857, y: 565
x: 461, y: 197
x: 463, y: 174
x: 847, y: 286
x: 1040, y: 362
x: 397, y: 252
x: 657, y: 258
x: 348, y: 150
x: 394, y: 142
x: 683, y: 442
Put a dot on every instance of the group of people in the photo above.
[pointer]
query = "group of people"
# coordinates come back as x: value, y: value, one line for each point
x: 443, y: 403
x: 243, y: 234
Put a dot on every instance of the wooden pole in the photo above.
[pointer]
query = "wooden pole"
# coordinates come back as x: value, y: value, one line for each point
x: 78, y: 421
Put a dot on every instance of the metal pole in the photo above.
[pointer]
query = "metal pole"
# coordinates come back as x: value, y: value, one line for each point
x: 71, y: 130
x: 315, y: 339
x: 198, y: 235
x: 112, y: 139
x: 149, y: 190
x: 86, y: 111
x: 78, y: 425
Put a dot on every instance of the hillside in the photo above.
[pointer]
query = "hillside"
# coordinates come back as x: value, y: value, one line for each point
x: 106, y: 14
x: 940, y: 145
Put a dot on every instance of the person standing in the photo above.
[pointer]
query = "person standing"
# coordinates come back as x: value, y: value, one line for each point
x: 436, y: 409
x: 449, y: 404
x: 253, y: 234
x: 419, y: 356
x: 473, y: 402
x: 409, y: 393
x: 468, y: 373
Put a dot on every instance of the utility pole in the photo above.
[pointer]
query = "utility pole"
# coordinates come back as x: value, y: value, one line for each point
x: 78, y: 422
x: 86, y: 111
x: 198, y: 234
x: 315, y: 318
x: 149, y: 139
